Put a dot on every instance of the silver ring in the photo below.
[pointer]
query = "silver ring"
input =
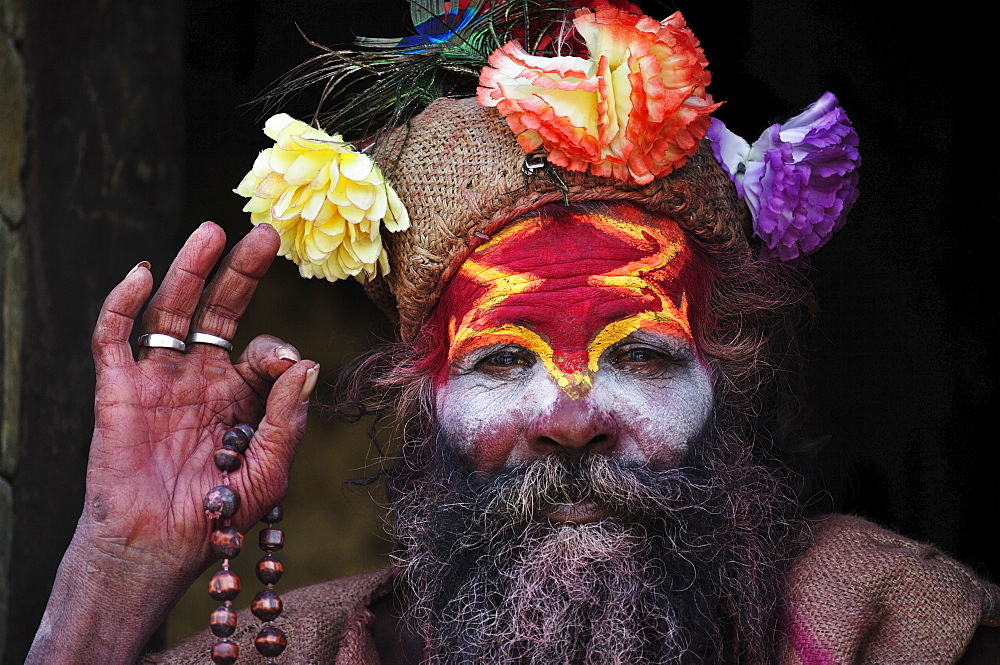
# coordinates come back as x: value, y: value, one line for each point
x: 205, y: 338
x: 159, y: 341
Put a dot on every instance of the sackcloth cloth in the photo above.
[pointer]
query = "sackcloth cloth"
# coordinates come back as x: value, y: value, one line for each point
x: 859, y: 595
x: 460, y: 171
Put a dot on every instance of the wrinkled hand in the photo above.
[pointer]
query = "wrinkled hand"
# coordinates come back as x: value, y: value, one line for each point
x: 159, y: 418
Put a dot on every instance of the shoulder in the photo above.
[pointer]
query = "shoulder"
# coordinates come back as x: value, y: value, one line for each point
x: 314, y: 618
x: 863, y: 594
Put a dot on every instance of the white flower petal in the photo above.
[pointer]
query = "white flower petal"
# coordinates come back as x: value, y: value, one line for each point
x: 247, y: 185
x: 367, y: 250
x: 279, y: 160
x: 383, y: 262
x: 276, y: 123
x: 379, y: 206
x: 305, y: 167
x: 352, y: 214
x: 313, y: 205
x: 337, y: 195
x: 326, y: 242
x: 356, y: 166
x: 261, y: 167
x: 361, y: 195
x: 398, y: 218
x: 271, y: 187
x: 257, y: 204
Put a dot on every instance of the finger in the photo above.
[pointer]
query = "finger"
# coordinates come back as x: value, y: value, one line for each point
x: 170, y: 310
x: 226, y: 298
x: 264, y: 360
x: 114, y: 323
x: 284, y: 423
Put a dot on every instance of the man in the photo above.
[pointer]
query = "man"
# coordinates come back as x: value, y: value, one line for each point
x: 591, y: 387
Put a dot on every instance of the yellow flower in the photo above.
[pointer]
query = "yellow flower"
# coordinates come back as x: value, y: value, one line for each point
x: 327, y: 201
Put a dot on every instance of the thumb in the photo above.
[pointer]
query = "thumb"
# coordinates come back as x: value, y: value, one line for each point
x: 278, y: 436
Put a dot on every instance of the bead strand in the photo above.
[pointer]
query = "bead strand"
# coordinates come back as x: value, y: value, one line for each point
x: 266, y: 605
x: 221, y: 503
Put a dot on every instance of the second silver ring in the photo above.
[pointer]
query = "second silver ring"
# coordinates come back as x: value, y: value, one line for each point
x: 206, y: 338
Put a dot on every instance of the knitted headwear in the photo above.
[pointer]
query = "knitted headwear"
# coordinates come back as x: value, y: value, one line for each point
x: 462, y: 175
x: 601, y: 103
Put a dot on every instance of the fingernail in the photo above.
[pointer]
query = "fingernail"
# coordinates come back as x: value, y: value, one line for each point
x: 312, y: 375
x: 285, y: 353
x: 140, y: 264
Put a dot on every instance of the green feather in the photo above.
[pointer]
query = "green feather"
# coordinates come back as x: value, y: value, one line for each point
x: 379, y: 84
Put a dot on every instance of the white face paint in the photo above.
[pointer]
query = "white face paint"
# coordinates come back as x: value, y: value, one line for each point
x: 569, y: 331
x: 651, y: 396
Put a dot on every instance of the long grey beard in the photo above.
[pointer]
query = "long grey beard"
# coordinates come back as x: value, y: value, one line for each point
x: 687, y: 569
x: 574, y: 595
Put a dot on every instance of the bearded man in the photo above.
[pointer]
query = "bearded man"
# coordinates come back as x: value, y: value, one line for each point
x: 593, y: 385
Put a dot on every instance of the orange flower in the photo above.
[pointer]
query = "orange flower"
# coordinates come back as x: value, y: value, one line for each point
x: 635, y: 110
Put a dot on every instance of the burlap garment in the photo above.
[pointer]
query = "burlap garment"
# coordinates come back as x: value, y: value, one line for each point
x: 860, y: 595
x: 460, y: 172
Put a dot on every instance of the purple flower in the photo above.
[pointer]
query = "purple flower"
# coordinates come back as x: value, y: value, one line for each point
x: 799, y: 178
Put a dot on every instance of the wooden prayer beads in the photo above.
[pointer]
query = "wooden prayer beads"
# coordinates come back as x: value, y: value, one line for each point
x: 223, y: 621
x: 224, y: 585
x: 237, y: 438
x: 221, y: 503
x: 226, y: 542
x: 269, y: 570
x: 266, y: 606
x: 270, y: 641
x: 271, y: 540
x: 225, y: 652
x: 227, y: 459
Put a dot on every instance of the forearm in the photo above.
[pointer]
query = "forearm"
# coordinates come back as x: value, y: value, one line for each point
x: 103, y: 607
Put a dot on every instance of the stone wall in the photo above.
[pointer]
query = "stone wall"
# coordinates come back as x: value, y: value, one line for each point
x: 13, y: 107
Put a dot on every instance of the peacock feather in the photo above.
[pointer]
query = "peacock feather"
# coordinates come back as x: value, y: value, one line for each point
x: 381, y: 82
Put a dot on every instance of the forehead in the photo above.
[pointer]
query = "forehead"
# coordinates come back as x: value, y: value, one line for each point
x: 575, y: 268
x: 570, y: 283
x: 558, y: 243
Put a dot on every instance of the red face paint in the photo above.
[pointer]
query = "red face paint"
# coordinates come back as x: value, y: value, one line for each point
x: 568, y: 284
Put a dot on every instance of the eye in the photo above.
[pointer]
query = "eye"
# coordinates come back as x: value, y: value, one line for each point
x: 641, y: 359
x: 639, y: 356
x: 505, y: 362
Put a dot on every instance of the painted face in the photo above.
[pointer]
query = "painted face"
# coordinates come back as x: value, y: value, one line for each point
x: 573, y: 330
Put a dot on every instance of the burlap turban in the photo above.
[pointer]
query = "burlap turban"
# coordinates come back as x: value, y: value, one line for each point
x: 460, y: 172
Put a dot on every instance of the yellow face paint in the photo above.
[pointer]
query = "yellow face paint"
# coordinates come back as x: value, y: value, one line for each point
x: 568, y: 285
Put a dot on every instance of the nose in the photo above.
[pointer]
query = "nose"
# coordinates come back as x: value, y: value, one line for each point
x: 575, y: 427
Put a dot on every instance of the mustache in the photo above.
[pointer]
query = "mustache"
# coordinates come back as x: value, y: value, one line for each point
x: 631, y: 491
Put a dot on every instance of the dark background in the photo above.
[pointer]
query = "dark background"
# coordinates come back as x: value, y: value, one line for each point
x: 138, y: 132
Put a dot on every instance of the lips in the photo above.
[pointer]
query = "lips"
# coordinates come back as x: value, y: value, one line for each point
x: 580, y: 512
